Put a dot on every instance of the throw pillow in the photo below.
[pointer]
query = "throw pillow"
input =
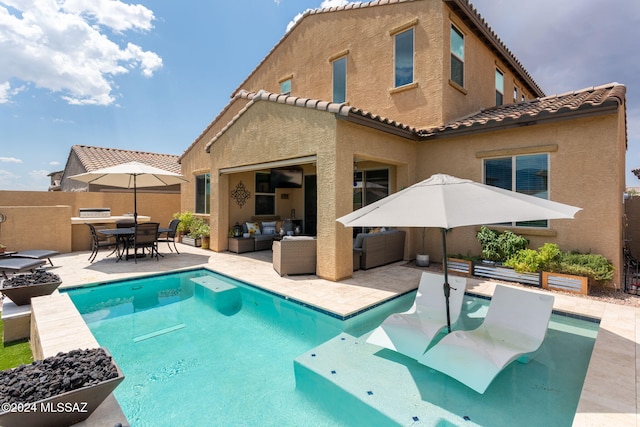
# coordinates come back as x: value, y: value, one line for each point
x: 253, y: 228
x: 268, y: 227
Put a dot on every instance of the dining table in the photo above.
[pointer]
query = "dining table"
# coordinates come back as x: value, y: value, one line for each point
x: 123, y: 236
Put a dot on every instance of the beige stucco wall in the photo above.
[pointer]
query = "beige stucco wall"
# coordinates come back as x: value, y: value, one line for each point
x: 42, y: 220
x: 271, y: 132
x: 366, y: 37
x: 585, y: 160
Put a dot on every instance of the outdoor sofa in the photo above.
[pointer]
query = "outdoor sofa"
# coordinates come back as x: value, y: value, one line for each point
x: 379, y: 248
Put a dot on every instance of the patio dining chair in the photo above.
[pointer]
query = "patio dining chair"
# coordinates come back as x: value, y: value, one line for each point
x: 98, y: 242
x: 145, y: 236
x: 170, y: 236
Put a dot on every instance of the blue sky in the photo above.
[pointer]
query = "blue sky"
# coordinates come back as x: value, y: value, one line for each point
x: 150, y: 76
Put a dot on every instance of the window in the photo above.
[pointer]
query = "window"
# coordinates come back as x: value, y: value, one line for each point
x: 265, y: 195
x: 340, y: 80
x: 203, y: 194
x: 523, y: 98
x: 457, y: 56
x: 404, y: 58
x: 285, y: 87
x: 515, y: 94
x: 369, y: 186
x: 499, y: 87
x: 527, y: 174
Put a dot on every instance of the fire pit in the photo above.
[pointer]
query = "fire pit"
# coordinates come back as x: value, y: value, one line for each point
x: 22, y: 287
x: 57, y: 391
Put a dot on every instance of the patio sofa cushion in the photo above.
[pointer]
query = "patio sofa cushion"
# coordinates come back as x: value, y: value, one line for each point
x: 381, y: 248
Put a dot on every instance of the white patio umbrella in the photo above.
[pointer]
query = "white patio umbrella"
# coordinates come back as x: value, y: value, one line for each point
x: 131, y: 175
x: 445, y: 202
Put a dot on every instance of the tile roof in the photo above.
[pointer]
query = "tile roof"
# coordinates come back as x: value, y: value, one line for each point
x: 612, y: 94
x: 464, y: 8
x: 93, y: 158
x: 343, y: 110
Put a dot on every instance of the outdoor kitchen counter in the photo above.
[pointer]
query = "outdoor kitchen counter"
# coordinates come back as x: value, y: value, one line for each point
x: 107, y: 220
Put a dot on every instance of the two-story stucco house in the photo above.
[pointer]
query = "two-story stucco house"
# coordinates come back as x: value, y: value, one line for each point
x: 370, y: 98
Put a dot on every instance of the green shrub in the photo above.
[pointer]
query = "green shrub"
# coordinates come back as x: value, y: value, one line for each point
x: 593, y: 266
x: 500, y: 246
x: 186, y: 221
x: 550, y: 258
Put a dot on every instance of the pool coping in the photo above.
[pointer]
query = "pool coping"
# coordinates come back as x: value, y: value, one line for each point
x: 610, y: 391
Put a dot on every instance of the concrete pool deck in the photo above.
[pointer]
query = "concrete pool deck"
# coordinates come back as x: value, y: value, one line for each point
x: 610, y: 392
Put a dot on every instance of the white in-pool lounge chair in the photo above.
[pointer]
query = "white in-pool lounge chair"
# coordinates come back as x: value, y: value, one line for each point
x: 411, y: 332
x: 515, y: 325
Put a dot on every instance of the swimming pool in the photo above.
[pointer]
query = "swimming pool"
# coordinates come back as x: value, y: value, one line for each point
x: 199, y: 348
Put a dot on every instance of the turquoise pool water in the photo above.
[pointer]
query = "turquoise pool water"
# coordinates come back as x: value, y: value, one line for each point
x: 209, y: 354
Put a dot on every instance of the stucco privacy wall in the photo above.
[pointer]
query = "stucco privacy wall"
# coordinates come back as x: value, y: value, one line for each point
x: 270, y: 132
x: 42, y: 220
x: 582, y: 155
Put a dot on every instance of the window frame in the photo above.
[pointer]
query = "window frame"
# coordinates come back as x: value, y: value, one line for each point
x: 396, y: 82
x: 206, y: 197
x: 454, y: 55
x: 543, y: 224
x: 283, y: 86
x: 343, y: 78
x: 499, y: 91
x: 271, y: 193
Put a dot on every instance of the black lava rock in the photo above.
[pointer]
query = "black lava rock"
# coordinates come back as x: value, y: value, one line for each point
x: 36, y: 278
x: 55, y: 375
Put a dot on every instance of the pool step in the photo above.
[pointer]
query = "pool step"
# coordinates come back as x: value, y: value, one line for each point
x: 346, y: 367
x: 223, y: 296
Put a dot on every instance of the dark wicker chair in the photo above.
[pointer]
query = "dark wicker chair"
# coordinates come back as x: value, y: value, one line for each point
x: 170, y: 236
x: 145, y: 237
x: 98, y: 242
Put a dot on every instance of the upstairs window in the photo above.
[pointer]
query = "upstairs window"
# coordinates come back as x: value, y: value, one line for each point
x: 404, y: 58
x: 203, y: 194
x: 340, y: 80
x: 515, y: 94
x: 527, y: 174
x: 457, y: 56
x: 499, y: 87
x: 285, y: 87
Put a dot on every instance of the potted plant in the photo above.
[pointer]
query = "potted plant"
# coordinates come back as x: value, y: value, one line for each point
x: 203, y: 231
x: 197, y: 229
x: 422, y: 259
x: 186, y: 221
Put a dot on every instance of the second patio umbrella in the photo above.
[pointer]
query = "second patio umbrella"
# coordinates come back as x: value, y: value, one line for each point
x: 131, y: 175
x: 445, y: 202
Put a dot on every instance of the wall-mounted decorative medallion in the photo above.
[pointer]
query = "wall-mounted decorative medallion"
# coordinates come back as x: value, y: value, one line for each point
x: 240, y: 194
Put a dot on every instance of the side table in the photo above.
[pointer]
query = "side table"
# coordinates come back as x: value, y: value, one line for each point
x: 241, y: 244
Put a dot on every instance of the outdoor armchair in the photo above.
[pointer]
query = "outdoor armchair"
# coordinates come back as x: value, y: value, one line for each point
x: 145, y: 236
x: 170, y: 236
x: 295, y: 255
x: 98, y: 242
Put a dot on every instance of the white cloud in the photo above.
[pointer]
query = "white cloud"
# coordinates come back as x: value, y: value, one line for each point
x: 63, y: 46
x: 9, y: 160
x: 38, y: 174
x: 54, y: 163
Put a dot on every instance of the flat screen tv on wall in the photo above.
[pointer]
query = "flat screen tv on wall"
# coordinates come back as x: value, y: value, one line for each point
x: 286, y: 178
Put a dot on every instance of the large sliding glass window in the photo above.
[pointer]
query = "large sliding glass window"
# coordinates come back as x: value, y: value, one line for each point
x: 265, y: 196
x: 527, y: 174
x: 340, y: 80
x: 404, y: 58
x: 203, y: 194
x: 457, y: 56
x: 370, y: 186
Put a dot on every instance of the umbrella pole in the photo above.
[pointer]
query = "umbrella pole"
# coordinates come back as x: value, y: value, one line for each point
x: 446, y: 287
x: 135, y: 202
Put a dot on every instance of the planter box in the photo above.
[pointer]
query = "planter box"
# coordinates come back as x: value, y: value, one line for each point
x: 565, y: 282
x: 191, y: 241
x: 460, y: 266
x: 505, y: 273
x: 21, y: 295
